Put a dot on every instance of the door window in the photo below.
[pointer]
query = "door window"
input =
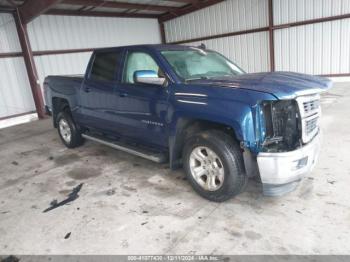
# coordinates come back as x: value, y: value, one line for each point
x: 139, y: 61
x: 105, y: 66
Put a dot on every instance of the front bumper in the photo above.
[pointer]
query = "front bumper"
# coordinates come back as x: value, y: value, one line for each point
x: 281, y: 172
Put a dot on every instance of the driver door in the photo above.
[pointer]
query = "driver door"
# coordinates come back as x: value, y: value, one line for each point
x: 142, y: 107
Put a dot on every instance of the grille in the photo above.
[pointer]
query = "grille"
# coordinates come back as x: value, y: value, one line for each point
x: 311, y: 125
x: 311, y: 106
x: 310, y: 111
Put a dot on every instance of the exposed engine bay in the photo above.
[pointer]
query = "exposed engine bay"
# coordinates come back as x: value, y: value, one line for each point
x: 283, y: 128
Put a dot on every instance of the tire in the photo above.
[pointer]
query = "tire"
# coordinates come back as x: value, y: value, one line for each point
x: 222, y: 175
x: 68, y: 131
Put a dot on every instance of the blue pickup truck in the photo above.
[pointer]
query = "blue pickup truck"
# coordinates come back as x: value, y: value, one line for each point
x: 193, y: 108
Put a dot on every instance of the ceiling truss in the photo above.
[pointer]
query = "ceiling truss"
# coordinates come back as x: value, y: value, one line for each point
x: 163, y: 10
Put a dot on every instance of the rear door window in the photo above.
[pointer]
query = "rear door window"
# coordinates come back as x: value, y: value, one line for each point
x: 105, y: 66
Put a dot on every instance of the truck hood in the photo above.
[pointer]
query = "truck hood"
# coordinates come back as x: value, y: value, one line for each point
x: 283, y: 85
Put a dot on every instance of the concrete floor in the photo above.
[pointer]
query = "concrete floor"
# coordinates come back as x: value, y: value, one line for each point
x: 128, y: 205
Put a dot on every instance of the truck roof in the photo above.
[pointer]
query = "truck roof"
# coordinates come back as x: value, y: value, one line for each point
x: 158, y: 47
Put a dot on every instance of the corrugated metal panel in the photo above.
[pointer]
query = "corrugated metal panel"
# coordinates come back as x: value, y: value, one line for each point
x: 67, y: 32
x: 249, y: 51
x: 50, y: 32
x: 61, y: 32
x: 150, y: 12
x: 322, y: 48
x: 153, y: 2
x: 67, y: 7
x: 109, y: 9
x: 228, y: 16
x: 288, y: 11
x: 8, y: 34
x: 63, y: 64
x: 15, y: 93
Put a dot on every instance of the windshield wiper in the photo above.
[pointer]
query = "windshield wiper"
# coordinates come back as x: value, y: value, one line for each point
x: 197, y: 78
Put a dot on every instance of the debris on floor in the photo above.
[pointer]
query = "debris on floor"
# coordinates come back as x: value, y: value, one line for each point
x: 331, y: 182
x: 110, y: 192
x: 67, y: 235
x: 15, y: 163
x: 71, y: 197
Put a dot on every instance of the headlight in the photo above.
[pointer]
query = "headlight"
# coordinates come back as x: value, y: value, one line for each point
x: 282, y: 125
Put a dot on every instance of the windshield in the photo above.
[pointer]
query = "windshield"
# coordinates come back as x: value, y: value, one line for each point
x: 196, y: 64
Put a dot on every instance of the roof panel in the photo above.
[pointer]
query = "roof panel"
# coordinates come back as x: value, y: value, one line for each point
x: 4, y: 3
x: 109, y: 9
x: 152, y: 2
x: 67, y: 7
x: 150, y: 12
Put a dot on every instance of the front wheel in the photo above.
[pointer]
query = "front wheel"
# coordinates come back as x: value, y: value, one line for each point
x: 68, y: 130
x: 214, y: 165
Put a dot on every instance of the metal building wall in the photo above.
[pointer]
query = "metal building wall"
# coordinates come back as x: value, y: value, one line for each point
x: 227, y: 16
x: 249, y: 51
x: 320, y: 48
x: 288, y: 11
x: 61, y: 64
x: 61, y: 45
x: 15, y: 93
x: 49, y: 32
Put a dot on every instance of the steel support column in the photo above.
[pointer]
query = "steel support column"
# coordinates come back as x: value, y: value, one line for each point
x: 162, y: 32
x: 271, y: 36
x: 30, y: 65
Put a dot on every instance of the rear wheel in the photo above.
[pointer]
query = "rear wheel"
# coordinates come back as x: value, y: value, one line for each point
x: 214, y: 165
x: 68, y: 131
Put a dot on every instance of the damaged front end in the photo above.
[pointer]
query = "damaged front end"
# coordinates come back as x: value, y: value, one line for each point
x: 290, y: 142
x: 281, y: 126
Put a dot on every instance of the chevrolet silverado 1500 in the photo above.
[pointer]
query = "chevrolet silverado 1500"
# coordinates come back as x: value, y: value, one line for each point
x: 194, y: 108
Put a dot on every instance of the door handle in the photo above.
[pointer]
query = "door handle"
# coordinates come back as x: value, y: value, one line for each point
x: 86, y: 89
x: 123, y: 94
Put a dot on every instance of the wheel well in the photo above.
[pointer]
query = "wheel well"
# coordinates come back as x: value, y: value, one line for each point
x: 188, y: 127
x: 58, y: 105
x: 196, y: 126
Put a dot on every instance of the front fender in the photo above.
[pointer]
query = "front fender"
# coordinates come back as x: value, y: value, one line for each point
x: 240, y: 117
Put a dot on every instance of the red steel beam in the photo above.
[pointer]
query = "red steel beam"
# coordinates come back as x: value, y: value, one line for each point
x: 336, y: 75
x: 271, y: 36
x: 188, y: 9
x: 124, y: 5
x: 97, y: 13
x: 10, y: 54
x: 312, y: 21
x: 162, y: 33
x: 6, y: 9
x: 249, y: 31
x: 63, y: 51
x: 33, y: 8
x: 30, y: 65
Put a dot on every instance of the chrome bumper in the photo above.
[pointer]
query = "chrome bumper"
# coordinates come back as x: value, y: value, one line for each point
x: 280, y: 172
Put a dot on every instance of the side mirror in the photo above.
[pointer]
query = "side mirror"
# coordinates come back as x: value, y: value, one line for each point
x: 148, y: 77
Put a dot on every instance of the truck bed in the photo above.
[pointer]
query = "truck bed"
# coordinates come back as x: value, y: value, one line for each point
x: 64, y: 84
x: 65, y: 87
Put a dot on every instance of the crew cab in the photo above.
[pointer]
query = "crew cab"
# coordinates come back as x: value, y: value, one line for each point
x: 194, y: 108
